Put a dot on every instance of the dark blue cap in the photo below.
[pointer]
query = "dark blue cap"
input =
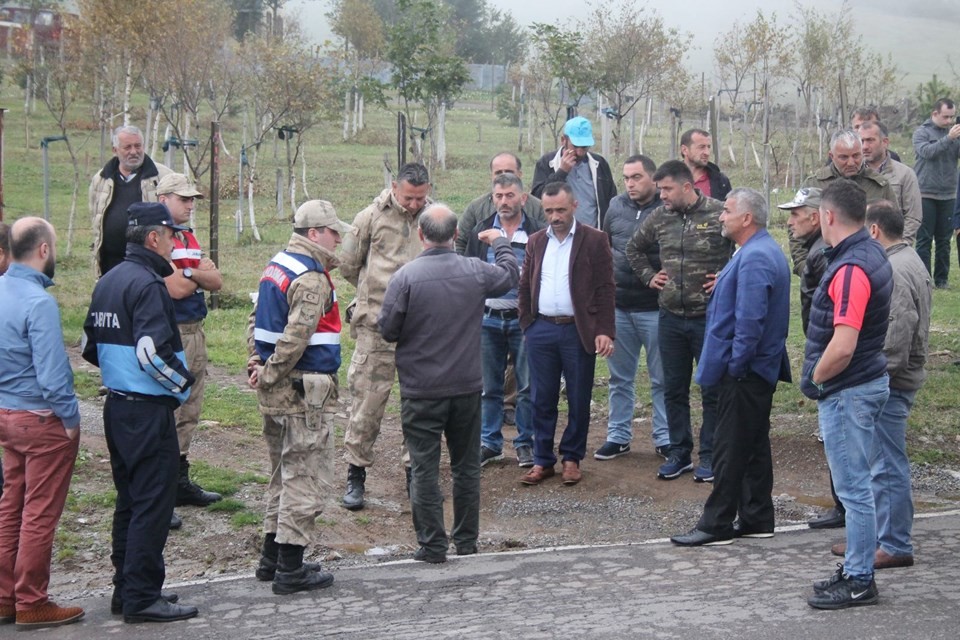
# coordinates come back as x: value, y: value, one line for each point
x: 150, y: 214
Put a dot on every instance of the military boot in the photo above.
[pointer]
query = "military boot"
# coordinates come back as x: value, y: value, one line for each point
x: 353, y: 498
x: 293, y: 575
x: 190, y: 493
x: 269, y: 559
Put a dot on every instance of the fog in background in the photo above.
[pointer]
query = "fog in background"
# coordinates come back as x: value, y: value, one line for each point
x: 920, y: 35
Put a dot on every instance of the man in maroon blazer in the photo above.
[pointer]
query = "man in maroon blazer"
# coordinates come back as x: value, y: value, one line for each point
x: 566, y: 305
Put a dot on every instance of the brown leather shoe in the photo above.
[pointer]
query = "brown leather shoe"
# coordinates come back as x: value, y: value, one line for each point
x: 47, y: 615
x: 571, y: 472
x: 537, y: 474
x: 8, y: 613
x: 883, y: 560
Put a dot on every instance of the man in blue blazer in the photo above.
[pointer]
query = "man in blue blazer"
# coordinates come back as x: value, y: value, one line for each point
x: 745, y: 355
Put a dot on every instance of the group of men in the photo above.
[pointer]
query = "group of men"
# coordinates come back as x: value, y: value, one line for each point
x: 546, y: 282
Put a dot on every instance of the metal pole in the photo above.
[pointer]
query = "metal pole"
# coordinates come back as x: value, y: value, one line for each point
x: 215, y: 204
x: 46, y: 183
x: 2, y: 111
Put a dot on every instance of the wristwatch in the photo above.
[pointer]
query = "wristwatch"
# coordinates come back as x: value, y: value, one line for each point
x: 188, y: 273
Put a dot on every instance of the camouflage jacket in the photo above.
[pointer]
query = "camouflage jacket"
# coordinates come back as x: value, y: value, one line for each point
x: 309, y: 297
x: 384, y: 238
x: 691, y: 247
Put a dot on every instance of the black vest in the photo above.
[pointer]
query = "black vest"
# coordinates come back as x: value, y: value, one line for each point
x: 868, y: 362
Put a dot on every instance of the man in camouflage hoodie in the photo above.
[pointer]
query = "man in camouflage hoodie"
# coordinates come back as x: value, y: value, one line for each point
x: 692, y: 251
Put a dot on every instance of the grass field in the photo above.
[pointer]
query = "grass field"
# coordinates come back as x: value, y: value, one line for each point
x: 350, y: 175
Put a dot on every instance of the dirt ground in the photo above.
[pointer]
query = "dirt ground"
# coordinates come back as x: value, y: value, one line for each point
x: 618, y: 501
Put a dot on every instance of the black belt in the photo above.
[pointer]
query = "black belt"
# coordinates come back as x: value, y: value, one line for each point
x: 168, y: 401
x: 503, y: 314
x: 558, y: 319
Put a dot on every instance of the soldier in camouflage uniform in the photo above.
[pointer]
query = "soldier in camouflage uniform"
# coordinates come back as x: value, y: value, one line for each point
x: 294, y: 342
x: 692, y: 252
x: 383, y: 240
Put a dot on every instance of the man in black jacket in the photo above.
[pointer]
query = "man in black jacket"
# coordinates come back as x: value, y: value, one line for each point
x: 637, y: 314
x: 695, y: 146
x: 501, y: 336
x: 588, y: 174
x: 131, y: 334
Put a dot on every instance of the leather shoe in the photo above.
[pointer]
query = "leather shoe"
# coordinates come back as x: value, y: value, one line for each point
x: 175, y: 521
x: 883, y: 560
x: 116, y: 602
x: 832, y: 519
x: 697, y: 538
x: 161, y: 611
x: 571, y: 472
x: 537, y: 474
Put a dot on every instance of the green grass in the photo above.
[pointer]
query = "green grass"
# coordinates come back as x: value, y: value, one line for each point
x: 86, y: 384
x: 231, y: 406
x: 245, y: 519
x: 223, y: 481
x: 82, y: 501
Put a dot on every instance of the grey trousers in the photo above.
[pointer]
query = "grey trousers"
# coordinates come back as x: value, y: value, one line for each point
x: 425, y: 421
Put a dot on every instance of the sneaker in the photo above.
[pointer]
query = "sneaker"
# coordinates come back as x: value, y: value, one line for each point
x: 524, y: 456
x: 611, y: 450
x: 663, y: 451
x: 704, y: 472
x: 844, y: 591
x: 822, y: 585
x: 674, y: 467
x: 489, y: 455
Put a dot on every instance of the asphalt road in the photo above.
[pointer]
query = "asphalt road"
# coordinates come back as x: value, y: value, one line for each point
x: 753, y: 589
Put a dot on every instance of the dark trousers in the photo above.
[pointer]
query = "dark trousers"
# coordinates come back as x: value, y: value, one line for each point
x: 742, y: 463
x: 144, y: 458
x: 936, y: 227
x: 425, y: 421
x: 554, y: 350
x: 681, y: 341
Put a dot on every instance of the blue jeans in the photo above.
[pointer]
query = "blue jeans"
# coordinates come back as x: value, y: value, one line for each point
x: 554, y: 351
x: 498, y: 339
x: 635, y: 329
x: 681, y: 341
x: 848, y: 423
x: 891, y: 475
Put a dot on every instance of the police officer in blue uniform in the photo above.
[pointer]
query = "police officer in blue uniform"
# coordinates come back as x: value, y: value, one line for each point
x: 131, y: 334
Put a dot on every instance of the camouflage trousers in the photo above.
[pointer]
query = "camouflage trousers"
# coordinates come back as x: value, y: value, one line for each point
x: 370, y: 377
x: 188, y: 415
x: 301, y: 448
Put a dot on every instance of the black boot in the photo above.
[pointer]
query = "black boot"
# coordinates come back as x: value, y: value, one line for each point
x: 175, y: 521
x: 190, y: 493
x: 353, y: 498
x: 293, y: 575
x: 269, y: 559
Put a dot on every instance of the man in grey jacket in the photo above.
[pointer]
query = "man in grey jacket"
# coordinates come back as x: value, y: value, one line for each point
x: 432, y: 310
x: 906, y: 350
x: 937, y: 147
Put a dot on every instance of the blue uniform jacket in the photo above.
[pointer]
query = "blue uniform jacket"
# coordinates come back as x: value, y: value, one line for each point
x: 748, y: 316
x: 131, y: 330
